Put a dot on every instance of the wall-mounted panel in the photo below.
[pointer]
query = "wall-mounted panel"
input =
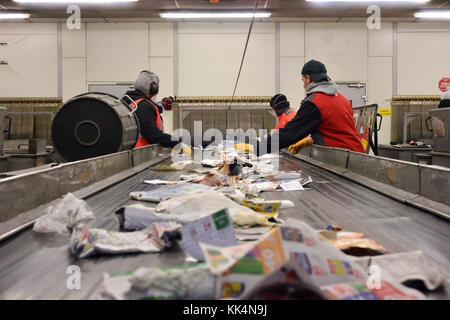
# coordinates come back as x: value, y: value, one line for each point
x: 380, y: 92
x: 292, y: 39
x: 161, y: 39
x: 28, y: 28
x: 73, y: 42
x: 116, y: 51
x: 342, y: 47
x: 163, y: 67
x: 209, y: 64
x: 32, y: 69
x: 434, y: 26
x: 224, y: 27
x: 381, y: 41
x: 291, y: 83
x: 423, y: 59
x: 73, y: 77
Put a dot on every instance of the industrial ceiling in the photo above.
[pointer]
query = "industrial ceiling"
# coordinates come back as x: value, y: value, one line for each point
x: 285, y: 10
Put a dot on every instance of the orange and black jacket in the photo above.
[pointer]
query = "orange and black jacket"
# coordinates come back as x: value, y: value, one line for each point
x: 326, y: 115
x: 285, y: 117
x: 148, y: 119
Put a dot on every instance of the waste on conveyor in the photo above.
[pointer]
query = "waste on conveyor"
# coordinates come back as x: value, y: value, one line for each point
x: 236, y: 243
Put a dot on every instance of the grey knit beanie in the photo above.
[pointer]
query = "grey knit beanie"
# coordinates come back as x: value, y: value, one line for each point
x: 143, y: 81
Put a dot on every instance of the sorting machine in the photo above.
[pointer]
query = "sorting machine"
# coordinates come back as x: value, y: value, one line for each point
x: 403, y: 206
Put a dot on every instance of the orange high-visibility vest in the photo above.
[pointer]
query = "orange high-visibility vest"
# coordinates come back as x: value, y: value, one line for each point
x: 285, y: 118
x: 159, y: 124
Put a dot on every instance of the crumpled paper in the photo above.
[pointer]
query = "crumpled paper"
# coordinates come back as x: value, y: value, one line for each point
x: 209, y: 202
x: 85, y: 241
x: 138, y: 217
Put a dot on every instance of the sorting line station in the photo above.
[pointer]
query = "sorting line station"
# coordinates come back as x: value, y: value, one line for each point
x: 33, y: 266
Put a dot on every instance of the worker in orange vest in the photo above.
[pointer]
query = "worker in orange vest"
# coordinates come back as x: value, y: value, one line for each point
x: 284, y: 112
x: 325, y: 117
x: 149, y: 113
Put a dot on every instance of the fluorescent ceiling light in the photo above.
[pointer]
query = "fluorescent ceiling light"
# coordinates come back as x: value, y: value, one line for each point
x: 374, y: 1
x: 207, y: 15
x: 12, y: 15
x: 73, y: 1
x: 433, y: 14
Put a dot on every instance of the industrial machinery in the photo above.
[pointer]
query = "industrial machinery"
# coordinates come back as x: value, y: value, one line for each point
x: 403, y: 206
x: 408, y: 118
x: 223, y: 113
x: 31, y: 118
x: 408, y: 124
x: 417, y: 118
x: 94, y: 124
x: 25, y: 127
x: 440, y: 127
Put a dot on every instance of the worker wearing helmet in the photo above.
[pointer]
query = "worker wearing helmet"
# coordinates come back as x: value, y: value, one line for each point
x: 282, y: 109
x: 149, y: 113
x: 324, y: 114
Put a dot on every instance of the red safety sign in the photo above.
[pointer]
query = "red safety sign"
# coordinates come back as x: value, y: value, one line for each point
x: 444, y: 84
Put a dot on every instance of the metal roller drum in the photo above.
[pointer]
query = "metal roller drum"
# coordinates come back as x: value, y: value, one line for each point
x: 94, y: 124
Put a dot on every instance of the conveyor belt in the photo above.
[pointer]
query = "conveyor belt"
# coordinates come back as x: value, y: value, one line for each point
x: 33, y: 266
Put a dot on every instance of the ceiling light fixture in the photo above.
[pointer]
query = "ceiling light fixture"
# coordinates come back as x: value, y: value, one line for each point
x: 209, y: 15
x: 73, y: 1
x: 374, y: 1
x: 14, y: 15
x: 432, y: 14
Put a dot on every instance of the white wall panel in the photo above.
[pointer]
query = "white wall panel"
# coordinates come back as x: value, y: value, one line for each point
x: 292, y: 39
x: 342, y: 47
x: 161, y: 39
x: 224, y: 27
x: 32, y: 66
x: 116, y: 51
x: 423, y: 59
x: 424, y: 27
x: 73, y: 77
x: 28, y: 28
x: 74, y: 42
x: 380, y: 91
x: 291, y: 83
x: 209, y: 64
x: 380, y: 41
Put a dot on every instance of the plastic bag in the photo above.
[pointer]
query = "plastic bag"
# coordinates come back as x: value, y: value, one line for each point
x: 188, y: 282
x: 65, y: 215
